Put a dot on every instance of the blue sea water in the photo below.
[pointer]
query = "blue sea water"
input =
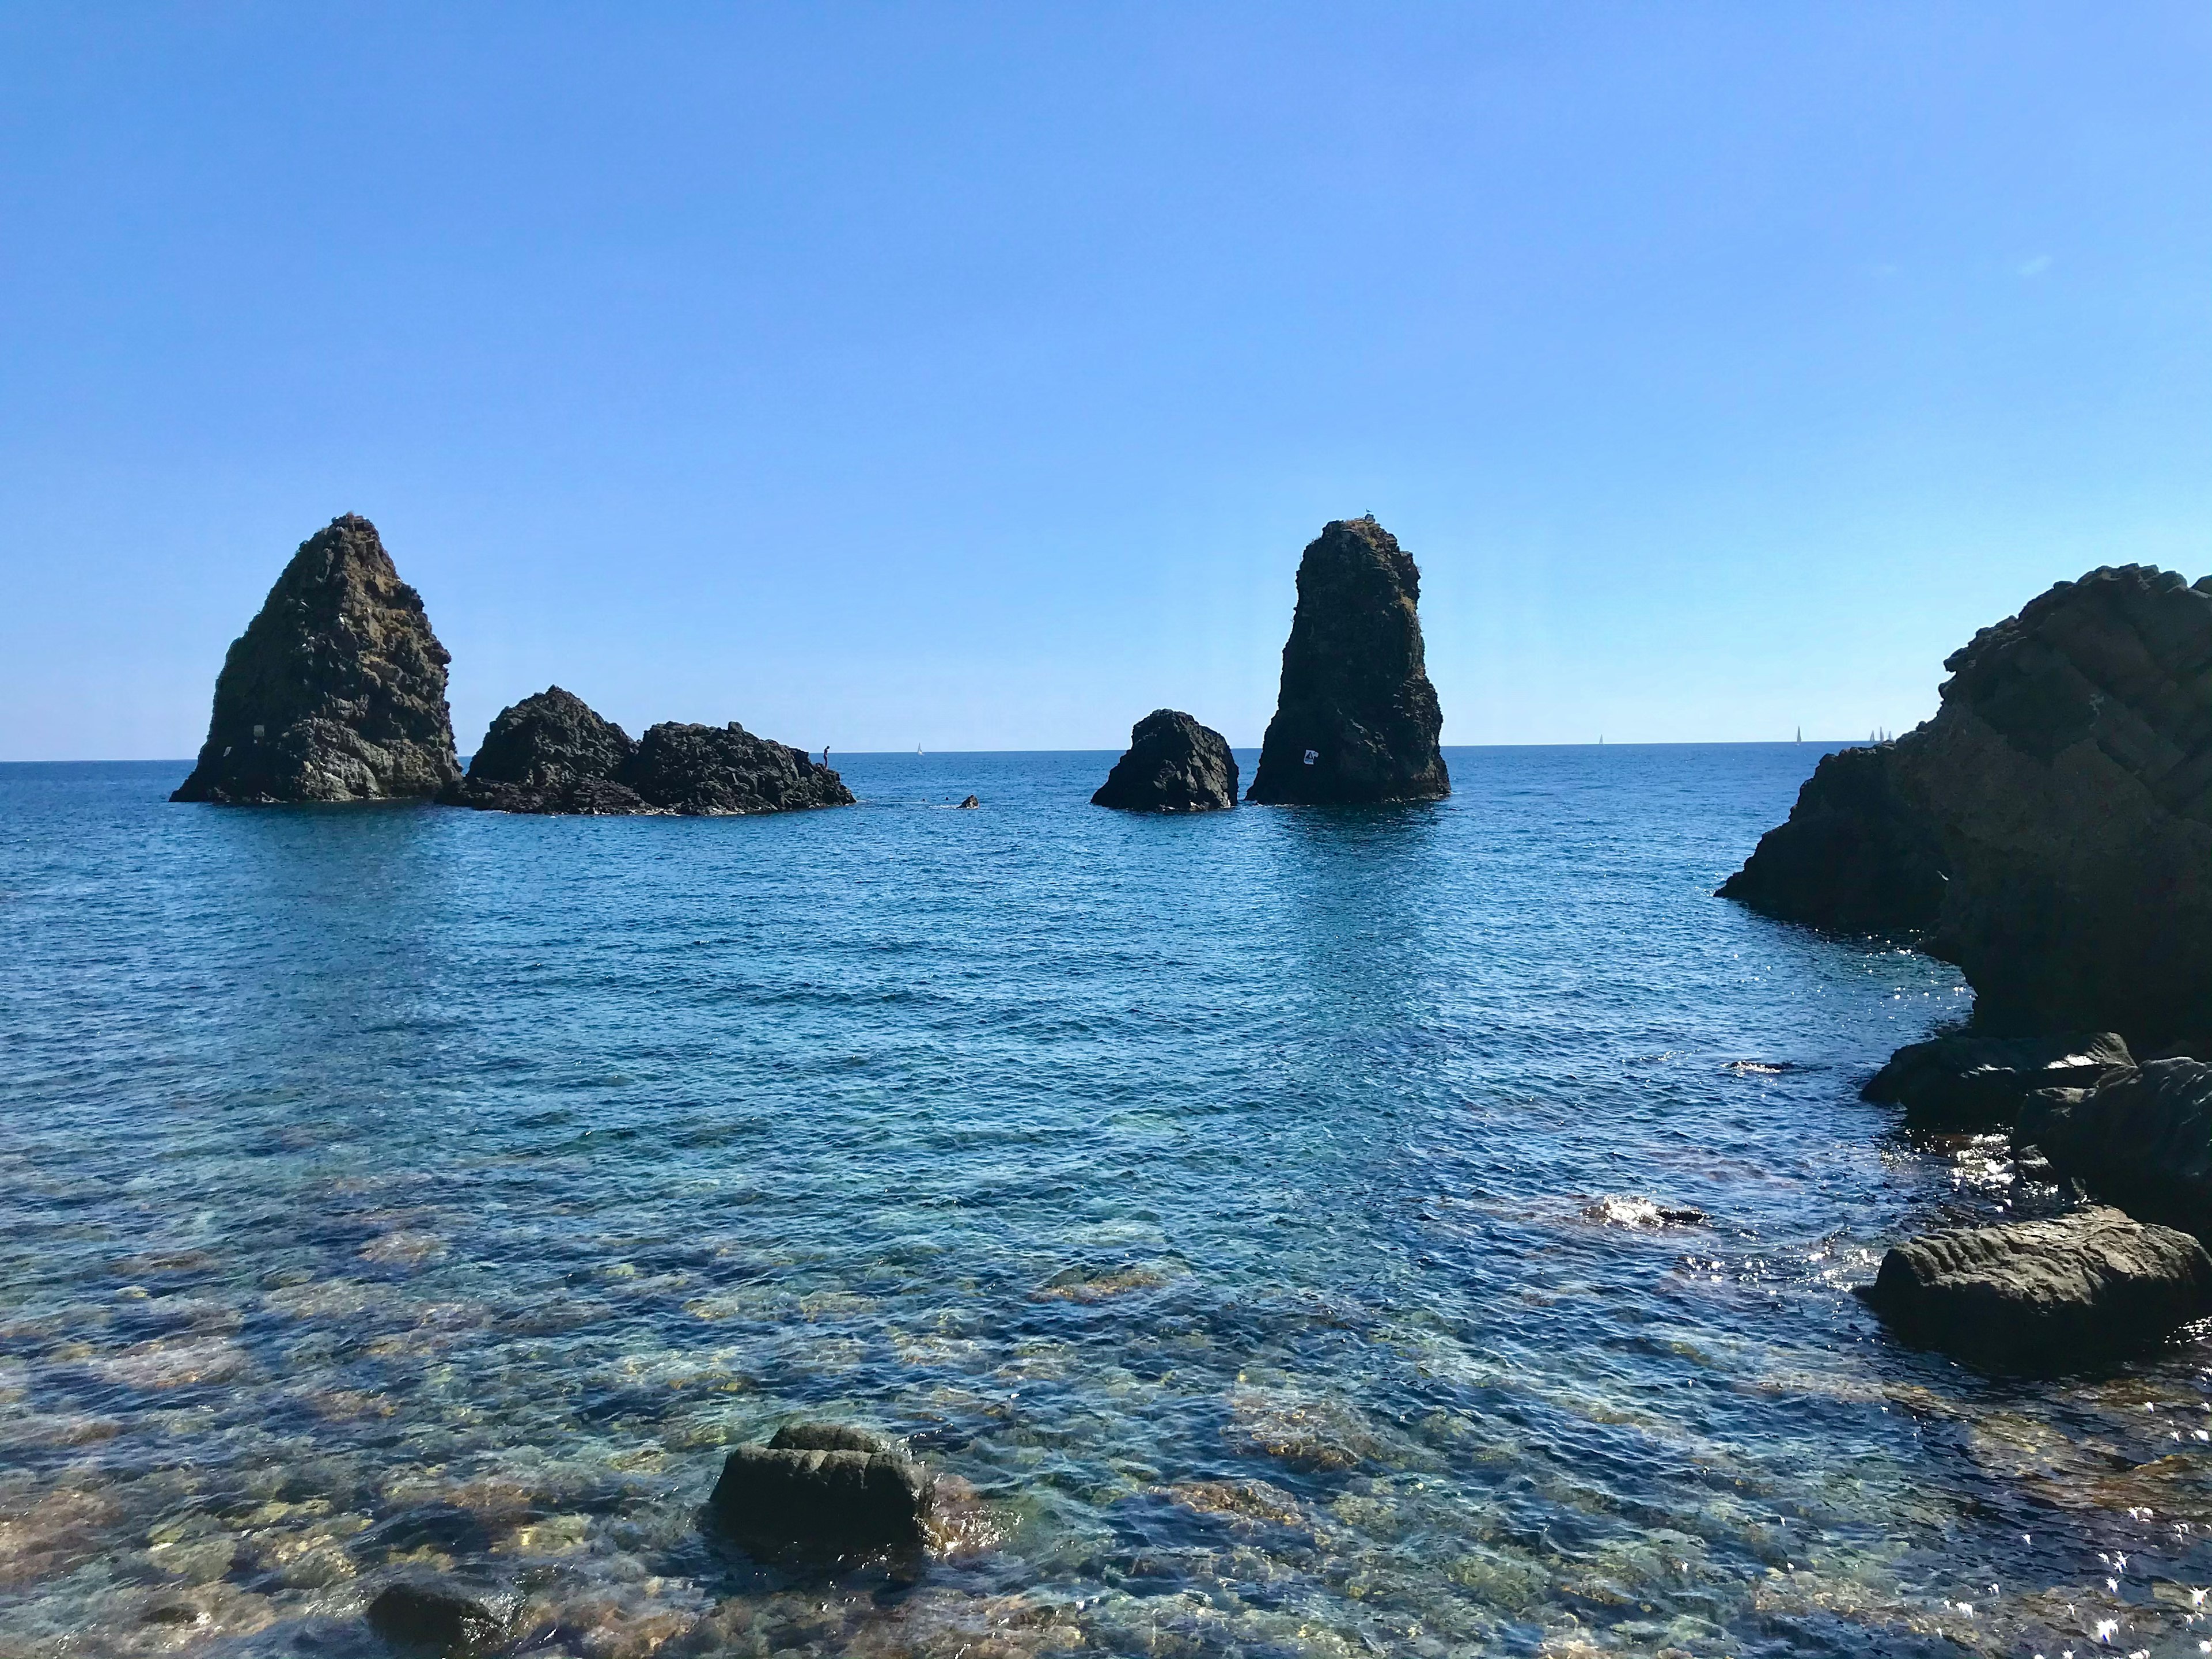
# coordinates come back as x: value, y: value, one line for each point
x: 1236, y: 1210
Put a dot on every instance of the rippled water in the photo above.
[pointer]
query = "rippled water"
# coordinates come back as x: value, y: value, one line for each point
x: 1220, y: 1202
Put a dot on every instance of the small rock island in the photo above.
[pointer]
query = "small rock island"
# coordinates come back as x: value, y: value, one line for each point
x: 337, y: 689
x: 551, y: 753
x: 1173, y: 765
x: 1357, y: 719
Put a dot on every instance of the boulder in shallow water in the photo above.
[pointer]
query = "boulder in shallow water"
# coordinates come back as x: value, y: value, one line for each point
x: 2050, y: 830
x: 549, y: 753
x: 1356, y: 719
x: 1173, y: 765
x: 337, y: 689
x: 823, y: 1487
x: 2044, y: 1295
x: 717, y: 770
x: 1967, y: 1082
x: 428, y: 1616
x: 2141, y: 1139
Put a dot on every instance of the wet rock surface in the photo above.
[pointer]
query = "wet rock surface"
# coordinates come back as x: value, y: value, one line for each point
x: 549, y: 753
x: 2051, y: 1295
x: 714, y: 770
x: 2065, y: 789
x: 2141, y: 1139
x: 1356, y: 719
x: 1966, y: 1082
x: 337, y: 689
x: 434, y: 1617
x: 1173, y: 765
x: 823, y: 1487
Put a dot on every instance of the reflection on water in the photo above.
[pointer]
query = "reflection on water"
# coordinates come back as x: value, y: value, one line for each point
x: 1254, y: 1216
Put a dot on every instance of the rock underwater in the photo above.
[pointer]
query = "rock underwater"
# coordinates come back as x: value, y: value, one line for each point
x: 337, y: 689
x: 551, y: 753
x: 2050, y: 830
x: 1357, y: 719
x: 1173, y: 765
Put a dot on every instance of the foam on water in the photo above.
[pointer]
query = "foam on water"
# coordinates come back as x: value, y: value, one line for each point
x: 1231, y: 1207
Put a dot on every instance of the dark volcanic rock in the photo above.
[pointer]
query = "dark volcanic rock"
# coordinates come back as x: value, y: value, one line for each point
x: 427, y: 1617
x: 710, y: 770
x: 819, y: 1486
x: 970, y: 804
x: 1971, y: 1082
x: 1357, y: 719
x: 337, y: 689
x: 2044, y: 1295
x: 1174, y: 765
x: 2065, y: 788
x: 549, y: 753
x: 2140, y: 1139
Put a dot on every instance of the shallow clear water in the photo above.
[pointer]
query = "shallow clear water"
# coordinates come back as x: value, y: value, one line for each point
x: 1211, y: 1198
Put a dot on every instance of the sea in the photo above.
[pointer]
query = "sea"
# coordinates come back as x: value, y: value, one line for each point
x: 1252, y: 1217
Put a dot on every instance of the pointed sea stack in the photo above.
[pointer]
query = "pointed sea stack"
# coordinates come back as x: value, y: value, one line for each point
x: 2050, y: 830
x: 549, y: 753
x: 1174, y: 765
x: 337, y: 689
x: 1357, y: 719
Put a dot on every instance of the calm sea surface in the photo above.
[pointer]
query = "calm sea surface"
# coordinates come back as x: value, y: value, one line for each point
x: 1219, y: 1202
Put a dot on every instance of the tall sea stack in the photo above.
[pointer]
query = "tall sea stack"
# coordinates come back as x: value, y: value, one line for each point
x: 2050, y: 830
x: 1357, y: 719
x: 337, y: 689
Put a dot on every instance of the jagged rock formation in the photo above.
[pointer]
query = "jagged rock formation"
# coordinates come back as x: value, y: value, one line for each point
x: 2140, y: 1139
x: 337, y: 689
x: 823, y: 1486
x: 2044, y: 1295
x: 2050, y: 830
x: 711, y: 770
x: 1357, y: 719
x: 549, y: 753
x: 1972, y: 1083
x: 1174, y: 765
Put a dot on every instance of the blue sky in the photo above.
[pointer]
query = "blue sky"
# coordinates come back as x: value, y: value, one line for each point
x: 973, y: 376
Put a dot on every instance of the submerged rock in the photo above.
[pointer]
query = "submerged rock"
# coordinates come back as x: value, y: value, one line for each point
x: 2141, y: 1139
x: 713, y: 771
x: 2050, y: 830
x: 1965, y: 1082
x: 2044, y: 1295
x: 823, y: 1486
x: 428, y: 1617
x: 1625, y: 1210
x: 549, y: 753
x: 337, y: 689
x: 1357, y: 719
x: 1173, y: 765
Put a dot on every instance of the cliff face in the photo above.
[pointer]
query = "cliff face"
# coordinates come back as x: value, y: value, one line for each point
x: 2059, y: 804
x: 1174, y: 765
x: 337, y: 689
x: 549, y: 753
x: 1357, y: 719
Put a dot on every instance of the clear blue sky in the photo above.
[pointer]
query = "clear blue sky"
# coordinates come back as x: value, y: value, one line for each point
x: 972, y: 375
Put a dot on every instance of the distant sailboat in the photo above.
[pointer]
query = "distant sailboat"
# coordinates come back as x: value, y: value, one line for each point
x: 1800, y: 734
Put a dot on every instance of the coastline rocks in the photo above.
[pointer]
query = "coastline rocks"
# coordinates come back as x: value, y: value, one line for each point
x: 1173, y: 765
x: 1357, y: 719
x: 2044, y: 1295
x: 337, y: 689
x: 970, y: 804
x: 2065, y: 789
x: 428, y: 1618
x: 549, y: 753
x: 2141, y: 1139
x: 1963, y: 1082
x: 701, y: 771
x: 823, y: 1486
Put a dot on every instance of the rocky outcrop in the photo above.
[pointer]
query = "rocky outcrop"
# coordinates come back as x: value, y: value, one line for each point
x: 2044, y: 1295
x: 549, y: 753
x: 2058, y: 808
x: 1970, y: 1083
x: 1174, y: 765
x: 1357, y: 719
x: 2140, y: 1139
x: 337, y: 689
x: 823, y: 1487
